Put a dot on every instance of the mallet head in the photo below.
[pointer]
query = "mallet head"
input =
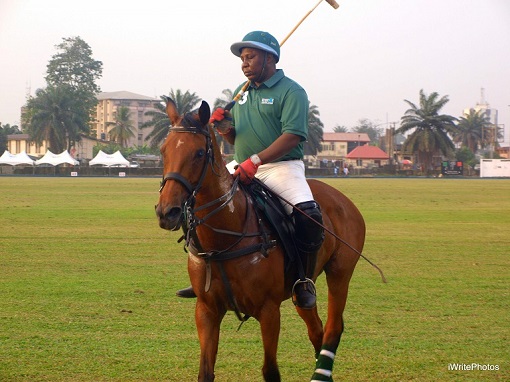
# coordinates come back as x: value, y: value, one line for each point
x: 333, y: 3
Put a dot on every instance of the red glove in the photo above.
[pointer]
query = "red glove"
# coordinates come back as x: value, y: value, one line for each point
x: 217, y: 116
x: 247, y: 170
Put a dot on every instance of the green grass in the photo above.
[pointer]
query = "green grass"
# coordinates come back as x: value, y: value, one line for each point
x: 87, y: 282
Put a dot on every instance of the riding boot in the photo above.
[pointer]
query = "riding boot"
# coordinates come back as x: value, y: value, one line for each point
x: 309, y: 238
x: 186, y: 293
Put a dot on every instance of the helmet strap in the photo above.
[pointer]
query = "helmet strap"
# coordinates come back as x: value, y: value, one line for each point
x: 263, y: 68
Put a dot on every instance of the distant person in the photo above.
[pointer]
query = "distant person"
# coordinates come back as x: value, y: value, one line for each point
x: 346, y: 170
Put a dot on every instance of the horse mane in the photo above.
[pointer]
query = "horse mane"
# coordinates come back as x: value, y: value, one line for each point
x: 190, y: 120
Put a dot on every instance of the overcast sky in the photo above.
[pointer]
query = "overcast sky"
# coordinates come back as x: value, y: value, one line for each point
x: 359, y: 61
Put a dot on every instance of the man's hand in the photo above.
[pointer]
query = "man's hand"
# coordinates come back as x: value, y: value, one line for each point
x: 247, y: 170
x: 218, y: 115
x: 221, y: 119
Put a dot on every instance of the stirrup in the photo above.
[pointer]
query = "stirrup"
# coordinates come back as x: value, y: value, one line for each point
x: 309, y: 286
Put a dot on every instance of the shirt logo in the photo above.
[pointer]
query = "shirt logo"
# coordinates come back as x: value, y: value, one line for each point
x: 267, y: 101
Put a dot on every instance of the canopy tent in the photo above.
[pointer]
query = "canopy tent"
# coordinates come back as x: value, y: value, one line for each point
x: 56, y: 159
x: 14, y: 159
x: 109, y: 160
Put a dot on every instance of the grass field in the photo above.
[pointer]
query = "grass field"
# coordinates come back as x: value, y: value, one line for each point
x: 87, y: 282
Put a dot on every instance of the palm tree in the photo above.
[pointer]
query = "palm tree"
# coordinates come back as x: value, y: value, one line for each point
x: 340, y: 129
x: 53, y: 115
x: 315, y: 131
x: 430, y: 129
x: 228, y: 96
x: 185, y: 102
x: 123, y: 127
x: 6, y: 130
x: 471, y: 128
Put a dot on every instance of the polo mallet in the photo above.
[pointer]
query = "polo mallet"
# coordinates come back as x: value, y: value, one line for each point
x: 333, y: 3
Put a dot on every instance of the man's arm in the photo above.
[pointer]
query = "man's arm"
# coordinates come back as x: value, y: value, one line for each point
x: 283, y: 145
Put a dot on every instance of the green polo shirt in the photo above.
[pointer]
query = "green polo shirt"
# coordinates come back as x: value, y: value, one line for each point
x: 277, y: 106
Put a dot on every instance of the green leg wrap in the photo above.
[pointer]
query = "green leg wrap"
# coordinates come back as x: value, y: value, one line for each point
x: 324, y: 366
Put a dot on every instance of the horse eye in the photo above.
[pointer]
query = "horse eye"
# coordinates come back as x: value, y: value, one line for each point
x: 200, y: 153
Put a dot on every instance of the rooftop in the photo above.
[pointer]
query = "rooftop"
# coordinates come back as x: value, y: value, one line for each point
x: 345, y: 137
x: 367, y: 152
x: 124, y: 95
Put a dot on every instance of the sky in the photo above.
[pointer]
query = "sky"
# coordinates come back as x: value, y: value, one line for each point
x: 359, y: 61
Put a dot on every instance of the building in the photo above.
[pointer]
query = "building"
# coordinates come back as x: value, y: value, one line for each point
x: 335, y: 147
x: 17, y: 143
x: 392, y: 144
x: 367, y: 156
x: 138, y: 105
x: 495, y: 132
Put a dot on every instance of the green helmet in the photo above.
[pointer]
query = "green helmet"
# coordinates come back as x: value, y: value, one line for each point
x: 258, y: 40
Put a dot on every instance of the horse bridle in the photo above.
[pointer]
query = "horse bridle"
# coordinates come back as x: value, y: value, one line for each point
x: 209, y: 159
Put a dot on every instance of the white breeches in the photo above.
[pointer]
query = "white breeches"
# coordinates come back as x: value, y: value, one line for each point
x: 286, y: 178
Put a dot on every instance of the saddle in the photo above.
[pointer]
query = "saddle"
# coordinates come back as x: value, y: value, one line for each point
x: 268, y: 203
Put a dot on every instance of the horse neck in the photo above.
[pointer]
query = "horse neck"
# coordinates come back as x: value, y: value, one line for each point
x: 218, y: 183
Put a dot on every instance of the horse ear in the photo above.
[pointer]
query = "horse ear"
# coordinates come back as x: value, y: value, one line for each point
x: 204, y: 113
x: 171, y: 111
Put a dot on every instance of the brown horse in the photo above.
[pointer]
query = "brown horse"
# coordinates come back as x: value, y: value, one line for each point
x: 199, y: 194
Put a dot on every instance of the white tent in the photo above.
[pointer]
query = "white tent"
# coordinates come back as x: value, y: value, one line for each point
x: 109, y: 160
x: 56, y: 159
x: 14, y: 159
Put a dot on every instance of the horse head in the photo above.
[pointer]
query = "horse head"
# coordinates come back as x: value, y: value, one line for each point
x: 186, y: 158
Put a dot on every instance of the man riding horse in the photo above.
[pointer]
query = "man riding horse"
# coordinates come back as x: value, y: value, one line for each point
x: 268, y: 127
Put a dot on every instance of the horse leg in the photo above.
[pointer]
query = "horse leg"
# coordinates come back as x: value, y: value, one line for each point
x: 208, y: 325
x: 338, y: 278
x: 313, y: 325
x: 269, y: 320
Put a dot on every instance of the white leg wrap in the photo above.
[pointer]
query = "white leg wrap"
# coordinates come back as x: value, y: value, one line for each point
x: 328, y: 353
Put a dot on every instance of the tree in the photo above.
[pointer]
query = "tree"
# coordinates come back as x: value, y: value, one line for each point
x: 340, y: 129
x: 471, y: 128
x: 62, y: 111
x: 315, y: 131
x: 74, y: 67
x: 6, y: 130
x: 55, y: 115
x: 366, y: 126
x: 123, y: 127
x: 464, y: 154
x: 429, y: 129
x: 228, y: 96
x: 185, y: 102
